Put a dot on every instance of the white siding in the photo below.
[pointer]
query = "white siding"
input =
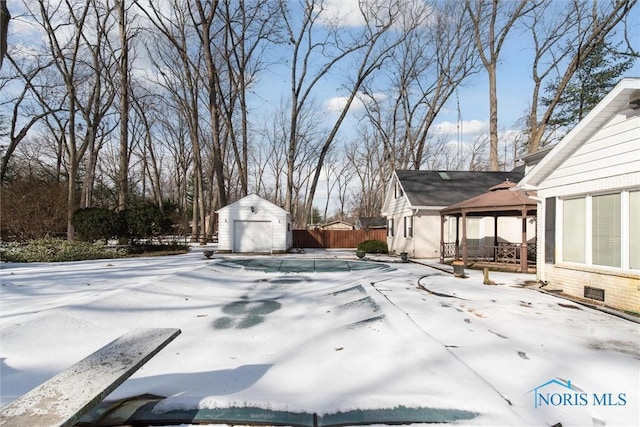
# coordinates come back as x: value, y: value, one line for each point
x: 397, y: 208
x: 607, y: 162
x: 264, y: 211
x: 427, y: 234
x: 612, y: 151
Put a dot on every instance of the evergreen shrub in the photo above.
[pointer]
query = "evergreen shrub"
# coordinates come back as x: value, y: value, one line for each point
x: 93, y: 224
x: 146, y: 221
x: 373, y: 247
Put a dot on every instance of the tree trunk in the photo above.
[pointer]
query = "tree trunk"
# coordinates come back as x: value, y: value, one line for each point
x: 493, y: 119
x: 123, y: 69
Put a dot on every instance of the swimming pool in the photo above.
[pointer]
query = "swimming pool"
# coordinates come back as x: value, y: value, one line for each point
x: 298, y: 265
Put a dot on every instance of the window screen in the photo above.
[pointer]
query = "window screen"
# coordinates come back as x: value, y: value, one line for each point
x: 634, y: 230
x: 408, y: 226
x: 574, y: 230
x: 550, y: 230
x: 606, y: 230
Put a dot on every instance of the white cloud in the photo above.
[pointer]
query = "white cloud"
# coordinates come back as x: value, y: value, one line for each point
x: 468, y: 127
x: 351, y: 13
x: 344, y: 12
x: 337, y: 103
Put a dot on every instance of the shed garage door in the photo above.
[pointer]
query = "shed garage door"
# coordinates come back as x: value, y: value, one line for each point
x: 252, y: 236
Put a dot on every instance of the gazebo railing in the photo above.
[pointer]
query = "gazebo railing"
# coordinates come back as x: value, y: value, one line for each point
x: 503, y: 253
x: 448, y: 250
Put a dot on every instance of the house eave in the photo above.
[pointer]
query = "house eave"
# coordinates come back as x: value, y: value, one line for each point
x: 611, y: 105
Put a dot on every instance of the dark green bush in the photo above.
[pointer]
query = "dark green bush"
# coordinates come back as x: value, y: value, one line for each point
x: 160, y: 249
x: 93, y: 224
x: 146, y: 221
x: 373, y: 247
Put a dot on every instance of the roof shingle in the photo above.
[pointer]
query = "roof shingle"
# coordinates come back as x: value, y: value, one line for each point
x: 445, y: 188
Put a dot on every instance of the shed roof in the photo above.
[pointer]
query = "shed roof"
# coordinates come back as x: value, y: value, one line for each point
x: 443, y: 188
x: 372, y: 222
x: 252, y: 199
x: 501, y: 198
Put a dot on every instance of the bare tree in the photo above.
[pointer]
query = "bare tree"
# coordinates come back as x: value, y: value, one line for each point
x: 247, y: 33
x: 315, y: 54
x: 5, y: 16
x: 67, y: 50
x: 492, y: 21
x: 564, y: 35
x: 434, y: 58
x: 178, y: 59
x: 29, y: 106
x: 365, y: 158
x: 124, y: 35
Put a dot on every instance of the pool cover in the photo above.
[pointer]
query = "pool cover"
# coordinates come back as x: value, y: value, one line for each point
x: 292, y: 265
x: 139, y: 411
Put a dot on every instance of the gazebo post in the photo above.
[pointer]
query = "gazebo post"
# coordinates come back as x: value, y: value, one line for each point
x: 523, y: 247
x: 464, y: 238
x: 441, y: 239
x: 457, y: 237
x: 495, y: 236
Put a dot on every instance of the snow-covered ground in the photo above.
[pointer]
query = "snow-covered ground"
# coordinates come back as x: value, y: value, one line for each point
x: 324, y: 342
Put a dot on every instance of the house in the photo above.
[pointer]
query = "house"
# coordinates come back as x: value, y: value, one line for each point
x: 588, y: 190
x: 335, y: 225
x: 371, y: 223
x: 415, y: 197
x: 254, y: 225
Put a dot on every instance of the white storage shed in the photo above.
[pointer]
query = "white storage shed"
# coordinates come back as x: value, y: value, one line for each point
x: 254, y: 225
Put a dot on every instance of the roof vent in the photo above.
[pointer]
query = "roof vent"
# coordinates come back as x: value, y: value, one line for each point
x: 633, y: 107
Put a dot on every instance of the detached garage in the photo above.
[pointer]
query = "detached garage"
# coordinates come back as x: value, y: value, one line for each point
x: 254, y: 225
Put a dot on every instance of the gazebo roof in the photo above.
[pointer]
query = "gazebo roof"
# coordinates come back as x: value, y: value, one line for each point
x: 500, y: 199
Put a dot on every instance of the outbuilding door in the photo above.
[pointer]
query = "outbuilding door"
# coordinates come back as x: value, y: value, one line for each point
x: 252, y: 236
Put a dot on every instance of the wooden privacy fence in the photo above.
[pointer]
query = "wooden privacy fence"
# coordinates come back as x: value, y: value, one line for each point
x: 335, y: 239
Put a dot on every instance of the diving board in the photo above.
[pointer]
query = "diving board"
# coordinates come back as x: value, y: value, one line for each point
x: 63, y: 399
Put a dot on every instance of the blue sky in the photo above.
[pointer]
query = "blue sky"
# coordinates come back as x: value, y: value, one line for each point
x: 514, y: 84
x: 514, y: 79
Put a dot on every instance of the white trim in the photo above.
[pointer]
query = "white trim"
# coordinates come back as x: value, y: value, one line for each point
x: 624, y: 229
x: 588, y: 224
x: 624, y: 268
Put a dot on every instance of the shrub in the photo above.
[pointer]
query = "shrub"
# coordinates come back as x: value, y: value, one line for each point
x: 146, y: 221
x: 32, y: 209
x: 152, y: 249
x: 50, y: 249
x: 373, y: 247
x: 93, y: 224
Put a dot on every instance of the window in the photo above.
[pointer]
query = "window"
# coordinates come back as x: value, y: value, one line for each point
x: 634, y: 230
x: 398, y: 191
x: 606, y: 230
x: 390, y: 228
x: 602, y: 230
x: 574, y: 230
x: 408, y: 226
x: 550, y: 230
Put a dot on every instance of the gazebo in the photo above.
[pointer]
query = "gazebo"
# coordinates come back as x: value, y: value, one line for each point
x: 500, y: 201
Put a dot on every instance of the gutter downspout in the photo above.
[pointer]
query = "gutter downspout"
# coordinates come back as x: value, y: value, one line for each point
x: 413, y: 238
x: 540, y: 271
